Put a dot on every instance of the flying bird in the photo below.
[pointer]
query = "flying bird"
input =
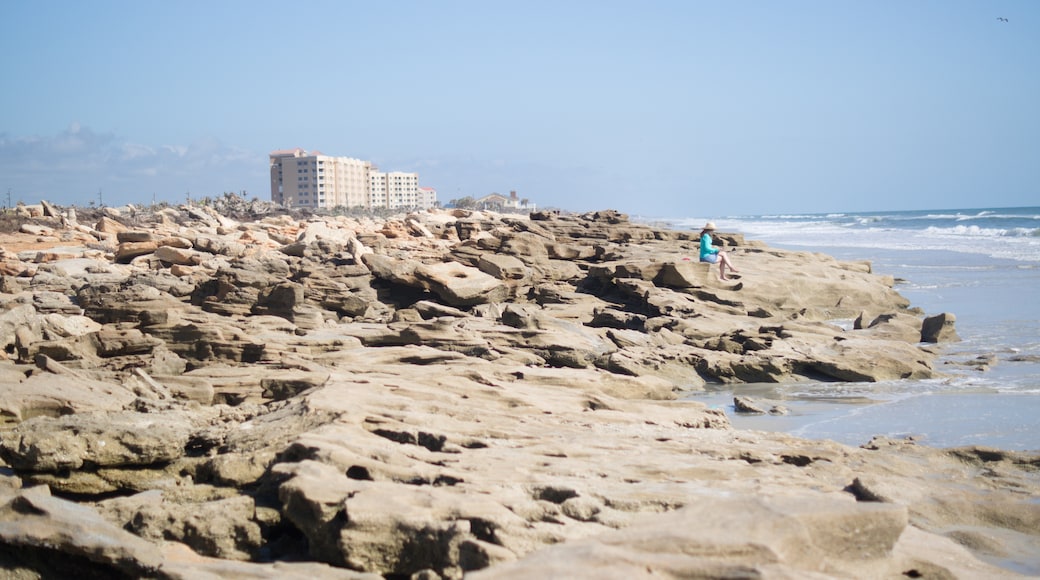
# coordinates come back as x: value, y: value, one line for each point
x: 1002, y: 19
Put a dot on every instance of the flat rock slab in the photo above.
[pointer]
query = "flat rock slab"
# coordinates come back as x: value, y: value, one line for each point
x: 95, y: 440
x: 53, y: 395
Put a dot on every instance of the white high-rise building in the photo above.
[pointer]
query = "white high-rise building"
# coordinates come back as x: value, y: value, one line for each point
x: 302, y: 179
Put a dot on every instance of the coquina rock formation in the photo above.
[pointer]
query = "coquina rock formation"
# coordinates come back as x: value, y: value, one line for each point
x: 193, y: 393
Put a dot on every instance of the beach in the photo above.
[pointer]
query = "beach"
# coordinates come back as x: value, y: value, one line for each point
x: 232, y: 390
x: 981, y: 265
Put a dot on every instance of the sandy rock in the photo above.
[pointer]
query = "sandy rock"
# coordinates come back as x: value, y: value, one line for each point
x: 854, y: 360
x: 286, y: 385
x: 184, y: 387
x: 675, y: 365
x: 618, y: 319
x: 82, y: 349
x: 49, y: 294
x: 321, y: 230
x: 219, y: 245
x: 13, y: 266
x: 684, y: 274
x: 220, y: 528
x: 939, y: 328
x: 179, y: 242
x: 898, y: 326
x: 37, y: 230
x: 466, y: 391
x: 96, y: 439
x: 529, y: 248
x: 747, y: 405
x: 138, y: 303
x: 107, y: 225
x: 776, y: 537
x: 236, y: 469
x: 182, y: 563
x: 429, y: 309
x: 135, y: 236
x: 127, y: 251
x: 180, y: 256
x: 17, y: 316
x: 44, y: 534
x: 281, y: 299
x: 460, y: 285
x: 503, y: 267
x: 393, y: 270
x: 52, y: 395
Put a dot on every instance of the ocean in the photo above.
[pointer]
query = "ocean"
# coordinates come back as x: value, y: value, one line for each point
x: 982, y: 265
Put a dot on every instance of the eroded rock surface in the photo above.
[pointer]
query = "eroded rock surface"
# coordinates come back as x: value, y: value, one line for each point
x: 240, y: 393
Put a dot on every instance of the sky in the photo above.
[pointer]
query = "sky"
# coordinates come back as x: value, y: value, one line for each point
x: 654, y: 108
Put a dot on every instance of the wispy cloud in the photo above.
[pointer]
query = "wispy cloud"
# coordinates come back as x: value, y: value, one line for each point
x: 73, y: 166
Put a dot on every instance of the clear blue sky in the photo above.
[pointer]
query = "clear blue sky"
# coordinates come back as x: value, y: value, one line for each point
x: 654, y: 108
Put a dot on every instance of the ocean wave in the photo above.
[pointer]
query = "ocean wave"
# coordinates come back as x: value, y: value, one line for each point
x: 985, y: 215
x: 981, y: 214
x: 789, y: 216
x: 972, y: 231
x: 977, y: 231
x: 946, y: 267
x: 999, y: 233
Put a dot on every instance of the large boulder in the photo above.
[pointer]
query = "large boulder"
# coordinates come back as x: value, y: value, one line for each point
x: 223, y: 527
x: 93, y: 440
x: 459, y: 285
x: 503, y: 267
x: 684, y: 274
x: 939, y: 328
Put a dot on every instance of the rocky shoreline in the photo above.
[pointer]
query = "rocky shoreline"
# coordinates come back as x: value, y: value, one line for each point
x: 195, y: 392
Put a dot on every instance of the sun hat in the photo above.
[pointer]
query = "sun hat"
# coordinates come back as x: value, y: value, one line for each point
x: 709, y: 226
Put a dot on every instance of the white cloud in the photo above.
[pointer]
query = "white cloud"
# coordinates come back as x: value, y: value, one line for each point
x: 134, y: 151
x: 178, y: 150
x: 70, y: 168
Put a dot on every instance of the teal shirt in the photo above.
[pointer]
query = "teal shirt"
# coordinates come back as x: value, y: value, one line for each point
x: 706, y: 247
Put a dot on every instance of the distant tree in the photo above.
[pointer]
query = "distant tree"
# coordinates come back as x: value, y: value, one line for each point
x: 463, y: 202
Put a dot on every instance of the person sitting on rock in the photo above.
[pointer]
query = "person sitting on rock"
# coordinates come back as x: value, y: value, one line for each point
x: 714, y: 255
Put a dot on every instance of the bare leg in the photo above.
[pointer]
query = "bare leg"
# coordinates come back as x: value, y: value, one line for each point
x: 723, y: 264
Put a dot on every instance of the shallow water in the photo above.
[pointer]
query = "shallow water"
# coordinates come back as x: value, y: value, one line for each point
x: 939, y: 419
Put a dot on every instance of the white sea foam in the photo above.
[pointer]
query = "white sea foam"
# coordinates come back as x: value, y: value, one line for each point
x: 1021, y: 244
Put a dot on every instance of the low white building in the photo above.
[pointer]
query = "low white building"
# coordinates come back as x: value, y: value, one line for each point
x: 498, y: 201
x: 394, y: 190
